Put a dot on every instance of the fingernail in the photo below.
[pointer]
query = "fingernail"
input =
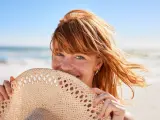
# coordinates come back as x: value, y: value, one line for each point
x: 12, y: 78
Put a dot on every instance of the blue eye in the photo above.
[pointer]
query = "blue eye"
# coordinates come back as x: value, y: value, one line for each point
x: 59, y: 54
x: 80, y: 57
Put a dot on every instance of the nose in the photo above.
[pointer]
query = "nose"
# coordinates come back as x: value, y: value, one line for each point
x: 66, y: 65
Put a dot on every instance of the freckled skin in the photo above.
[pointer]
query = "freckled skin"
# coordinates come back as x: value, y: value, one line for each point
x: 76, y: 64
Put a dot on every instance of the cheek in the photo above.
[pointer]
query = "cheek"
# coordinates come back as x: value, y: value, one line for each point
x: 86, y: 72
x: 84, y: 68
x: 55, y: 62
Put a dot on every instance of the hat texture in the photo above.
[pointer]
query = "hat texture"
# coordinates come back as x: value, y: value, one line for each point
x: 46, y: 94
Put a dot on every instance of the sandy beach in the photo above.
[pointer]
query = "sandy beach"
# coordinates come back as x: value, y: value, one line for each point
x: 145, y: 105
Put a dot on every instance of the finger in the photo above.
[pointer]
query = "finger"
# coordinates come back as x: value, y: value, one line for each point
x: 103, y: 97
x: 8, y: 88
x: 97, y: 90
x: 109, y: 110
x: 104, y: 108
x: 1, y: 97
x: 12, y: 78
x: 117, y: 109
x: 3, y: 92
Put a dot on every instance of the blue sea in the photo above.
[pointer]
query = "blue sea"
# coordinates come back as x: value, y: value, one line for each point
x: 20, y: 54
x: 16, y: 59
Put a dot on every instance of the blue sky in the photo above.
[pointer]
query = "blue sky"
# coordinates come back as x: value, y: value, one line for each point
x: 32, y: 22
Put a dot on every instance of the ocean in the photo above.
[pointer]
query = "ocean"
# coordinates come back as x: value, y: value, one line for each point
x: 15, y: 60
x: 21, y: 54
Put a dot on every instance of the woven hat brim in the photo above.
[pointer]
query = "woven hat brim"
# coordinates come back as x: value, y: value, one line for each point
x: 51, y: 94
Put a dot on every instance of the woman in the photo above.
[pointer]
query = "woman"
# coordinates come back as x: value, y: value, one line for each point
x: 82, y: 45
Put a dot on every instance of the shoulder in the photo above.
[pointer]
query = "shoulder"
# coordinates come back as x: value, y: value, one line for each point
x: 128, y: 116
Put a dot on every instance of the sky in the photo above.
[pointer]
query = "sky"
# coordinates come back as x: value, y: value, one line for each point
x: 32, y: 22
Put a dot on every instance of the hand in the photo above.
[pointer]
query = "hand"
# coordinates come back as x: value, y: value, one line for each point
x: 5, y: 89
x: 111, y: 105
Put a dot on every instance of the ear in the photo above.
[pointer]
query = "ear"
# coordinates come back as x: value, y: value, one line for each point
x: 99, y: 63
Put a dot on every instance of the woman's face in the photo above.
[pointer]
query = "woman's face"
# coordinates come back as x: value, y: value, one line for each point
x: 80, y: 65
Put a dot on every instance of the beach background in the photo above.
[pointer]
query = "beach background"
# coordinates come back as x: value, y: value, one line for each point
x: 26, y: 28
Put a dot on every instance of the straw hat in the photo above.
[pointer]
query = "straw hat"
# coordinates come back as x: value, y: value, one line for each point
x: 46, y: 94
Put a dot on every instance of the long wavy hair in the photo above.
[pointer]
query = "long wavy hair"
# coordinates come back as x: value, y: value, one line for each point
x: 83, y: 32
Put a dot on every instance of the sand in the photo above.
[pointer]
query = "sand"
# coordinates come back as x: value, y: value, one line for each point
x: 145, y: 105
